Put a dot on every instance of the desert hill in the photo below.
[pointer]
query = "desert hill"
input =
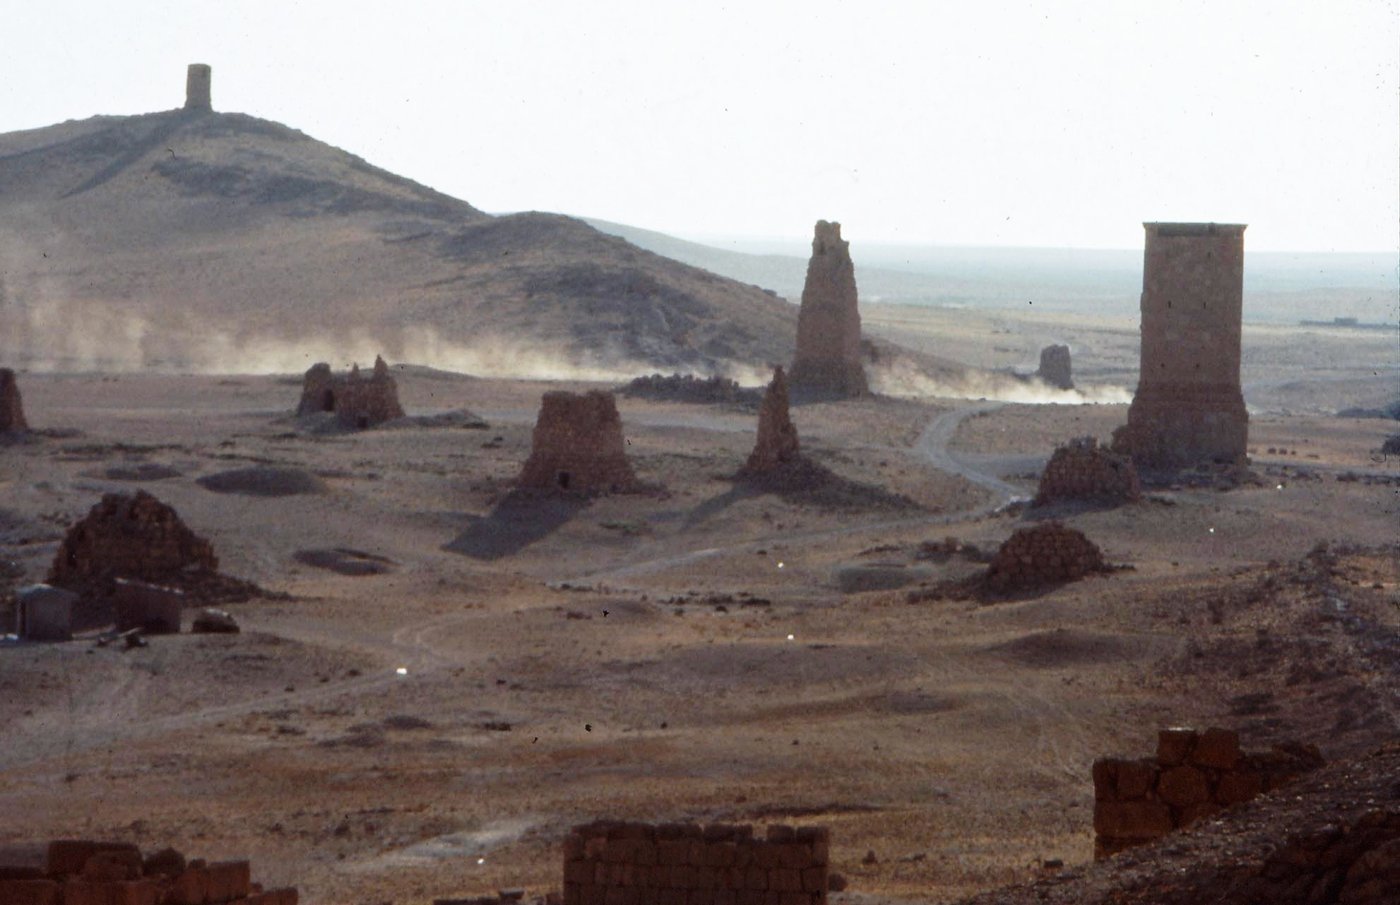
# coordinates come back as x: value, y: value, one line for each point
x: 220, y: 241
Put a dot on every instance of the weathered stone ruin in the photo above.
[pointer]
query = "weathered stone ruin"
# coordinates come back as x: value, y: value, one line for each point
x: 136, y: 537
x: 11, y: 406
x: 356, y: 402
x: 828, y: 360
x: 1194, y: 775
x: 81, y: 872
x: 577, y: 447
x: 776, y: 445
x: 689, y: 388
x: 1055, y: 367
x: 1083, y: 470
x: 198, y: 78
x: 1046, y: 554
x: 1188, y: 409
x: 719, y: 864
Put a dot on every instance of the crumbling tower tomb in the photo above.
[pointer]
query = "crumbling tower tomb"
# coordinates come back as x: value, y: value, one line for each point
x: 197, y: 84
x: 828, y: 360
x: 357, y: 402
x: 1055, y: 367
x: 577, y: 446
x: 1188, y: 409
x: 776, y: 445
x: 11, y: 407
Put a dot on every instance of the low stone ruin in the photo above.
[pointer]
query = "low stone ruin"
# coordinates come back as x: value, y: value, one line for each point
x: 1055, y: 367
x: 719, y: 864
x: 1045, y: 554
x: 153, y: 609
x: 81, y: 872
x: 1193, y: 775
x: 777, y: 444
x: 713, y: 390
x: 1083, y: 470
x: 357, y: 403
x: 129, y: 536
x: 577, y: 446
x: 11, y: 406
x: 828, y: 360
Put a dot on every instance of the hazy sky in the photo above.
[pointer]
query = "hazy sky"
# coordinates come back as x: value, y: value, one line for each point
x: 997, y: 123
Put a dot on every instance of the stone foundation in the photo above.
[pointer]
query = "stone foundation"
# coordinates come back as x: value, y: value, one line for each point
x: 577, y: 446
x: 153, y: 609
x: 1082, y: 470
x: 1046, y: 554
x: 82, y: 872
x: 1194, y: 775
x: 610, y: 863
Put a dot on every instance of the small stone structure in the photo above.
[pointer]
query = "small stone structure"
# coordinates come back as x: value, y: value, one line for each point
x: 44, y: 613
x: 198, y: 79
x: 828, y: 360
x: 1193, y: 775
x: 1189, y: 409
x: 1083, y: 470
x: 1045, y: 554
x: 357, y: 403
x: 153, y: 609
x: 1055, y: 367
x: 642, y: 864
x: 83, y: 872
x: 777, y: 444
x: 577, y: 447
x: 11, y: 406
x: 129, y: 536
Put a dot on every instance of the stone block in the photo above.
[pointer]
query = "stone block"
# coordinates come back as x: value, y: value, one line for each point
x: 814, y: 879
x: 112, y: 865
x: 66, y: 857
x: 228, y: 880
x: 1174, y: 745
x: 1183, y: 786
x: 785, y: 880
x: 1136, y: 778
x: 191, y: 887
x: 1105, y: 772
x: 30, y: 892
x: 1238, y: 786
x: 1217, y: 748
x: 1132, y: 819
x: 795, y: 856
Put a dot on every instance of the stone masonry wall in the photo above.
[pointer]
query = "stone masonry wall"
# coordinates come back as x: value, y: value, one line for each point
x: 81, y: 872
x: 357, y: 402
x: 1082, y: 470
x: 1193, y: 775
x: 1188, y: 408
x: 828, y: 360
x: 11, y: 406
x: 577, y: 446
x: 608, y: 863
x: 1046, y: 554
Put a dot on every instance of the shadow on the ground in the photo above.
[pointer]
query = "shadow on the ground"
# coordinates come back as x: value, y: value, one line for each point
x: 515, y: 523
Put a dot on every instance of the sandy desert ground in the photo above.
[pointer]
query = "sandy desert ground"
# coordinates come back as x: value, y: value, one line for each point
x: 500, y: 672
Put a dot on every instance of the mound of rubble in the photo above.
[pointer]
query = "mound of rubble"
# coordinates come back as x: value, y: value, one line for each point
x: 1046, y: 554
x: 689, y: 388
x: 1083, y: 470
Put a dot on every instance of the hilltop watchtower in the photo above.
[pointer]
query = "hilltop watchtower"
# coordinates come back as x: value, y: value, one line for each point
x: 1189, y: 408
x: 197, y: 79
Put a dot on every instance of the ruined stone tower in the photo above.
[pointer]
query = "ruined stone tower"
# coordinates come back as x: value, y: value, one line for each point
x: 776, y: 445
x: 1188, y: 408
x: 357, y: 403
x: 197, y: 84
x: 1055, y: 368
x: 577, y: 447
x: 828, y: 323
x: 11, y: 408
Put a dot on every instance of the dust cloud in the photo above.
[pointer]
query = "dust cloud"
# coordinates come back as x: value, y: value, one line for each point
x: 901, y: 378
